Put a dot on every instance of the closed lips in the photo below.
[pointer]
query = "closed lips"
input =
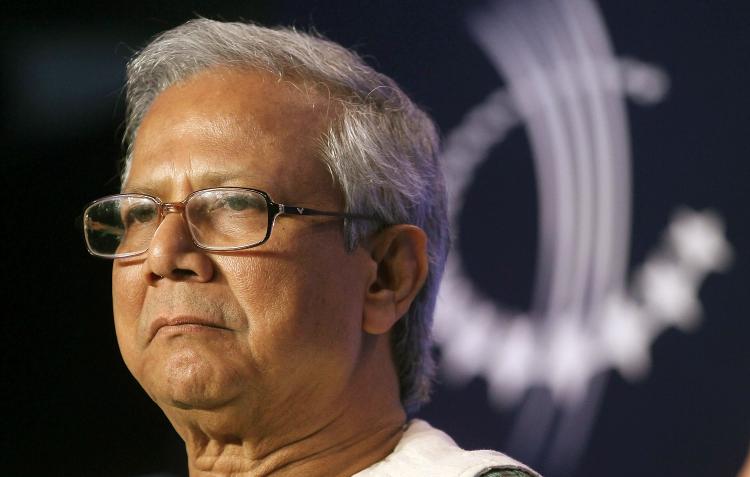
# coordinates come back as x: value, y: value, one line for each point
x: 182, y: 321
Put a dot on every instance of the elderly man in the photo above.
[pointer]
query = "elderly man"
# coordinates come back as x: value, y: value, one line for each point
x: 277, y: 247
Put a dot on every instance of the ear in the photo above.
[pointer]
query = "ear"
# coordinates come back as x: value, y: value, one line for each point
x: 400, y: 256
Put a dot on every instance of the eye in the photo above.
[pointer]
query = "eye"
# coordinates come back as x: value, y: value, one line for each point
x: 140, y: 214
x: 221, y: 203
x: 240, y: 202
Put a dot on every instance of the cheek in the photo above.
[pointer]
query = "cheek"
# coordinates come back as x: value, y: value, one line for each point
x: 309, y: 299
x: 127, y: 302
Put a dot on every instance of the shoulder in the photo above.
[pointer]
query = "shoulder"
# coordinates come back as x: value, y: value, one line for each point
x: 424, y: 450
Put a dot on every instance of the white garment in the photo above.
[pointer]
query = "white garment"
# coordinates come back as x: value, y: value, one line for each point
x: 424, y: 451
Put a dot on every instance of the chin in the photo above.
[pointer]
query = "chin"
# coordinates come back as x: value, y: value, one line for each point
x: 190, y: 380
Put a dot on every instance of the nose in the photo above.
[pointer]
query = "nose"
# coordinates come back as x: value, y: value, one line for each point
x: 172, y: 255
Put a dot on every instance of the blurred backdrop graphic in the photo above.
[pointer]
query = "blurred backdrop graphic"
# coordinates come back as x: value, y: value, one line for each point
x: 592, y: 320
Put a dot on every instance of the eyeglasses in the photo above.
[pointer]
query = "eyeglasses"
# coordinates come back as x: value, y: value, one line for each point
x: 219, y: 219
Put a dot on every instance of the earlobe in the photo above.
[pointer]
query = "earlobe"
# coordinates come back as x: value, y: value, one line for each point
x: 399, y: 253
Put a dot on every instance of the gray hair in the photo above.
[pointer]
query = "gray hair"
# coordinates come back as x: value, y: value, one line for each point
x: 381, y: 150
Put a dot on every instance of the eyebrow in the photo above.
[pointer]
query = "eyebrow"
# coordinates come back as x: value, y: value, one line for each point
x: 139, y: 189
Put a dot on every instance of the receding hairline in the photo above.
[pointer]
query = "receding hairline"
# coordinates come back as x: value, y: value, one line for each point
x: 317, y: 91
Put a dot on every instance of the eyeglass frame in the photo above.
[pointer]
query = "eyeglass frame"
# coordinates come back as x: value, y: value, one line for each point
x: 274, y: 210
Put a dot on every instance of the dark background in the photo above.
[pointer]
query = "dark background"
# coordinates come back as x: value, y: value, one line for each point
x: 70, y: 406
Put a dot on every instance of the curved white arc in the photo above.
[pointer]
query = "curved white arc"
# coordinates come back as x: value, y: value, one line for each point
x: 623, y: 165
x: 467, y: 145
x: 547, y: 115
x: 573, y: 429
x: 534, y: 418
x: 607, y: 108
x: 564, y: 70
x: 593, y: 48
x: 601, y: 167
x: 465, y: 149
x: 539, y: 108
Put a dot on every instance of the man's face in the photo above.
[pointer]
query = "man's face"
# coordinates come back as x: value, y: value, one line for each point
x: 278, y: 325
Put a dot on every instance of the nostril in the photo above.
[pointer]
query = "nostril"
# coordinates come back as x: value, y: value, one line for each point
x: 177, y: 274
x: 183, y: 272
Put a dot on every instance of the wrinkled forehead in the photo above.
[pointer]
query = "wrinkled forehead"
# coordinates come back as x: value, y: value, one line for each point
x: 231, y: 122
x: 228, y: 101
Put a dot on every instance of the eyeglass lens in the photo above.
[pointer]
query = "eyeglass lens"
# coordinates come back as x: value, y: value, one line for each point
x: 217, y: 218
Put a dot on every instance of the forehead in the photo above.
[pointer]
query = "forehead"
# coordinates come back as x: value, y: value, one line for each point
x: 227, y: 126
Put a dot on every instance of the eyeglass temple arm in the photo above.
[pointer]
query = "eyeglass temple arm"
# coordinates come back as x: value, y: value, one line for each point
x: 294, y: 210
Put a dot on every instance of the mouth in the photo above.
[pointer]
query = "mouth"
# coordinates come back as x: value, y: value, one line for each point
x: 185, y: 324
